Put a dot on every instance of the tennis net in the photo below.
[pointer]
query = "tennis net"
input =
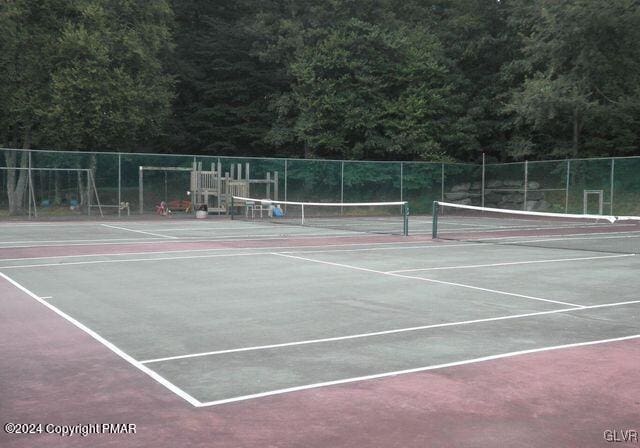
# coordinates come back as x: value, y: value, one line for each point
x: 596, y: 233
x: 368, y: 217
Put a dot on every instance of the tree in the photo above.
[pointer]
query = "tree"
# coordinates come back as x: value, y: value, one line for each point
x: 477, y: 43
x: 363, y: 83
x: 580, y: 66
x: 27, y: 46
x: 84, y: 74
x: 223, y: 88
x: 109, y: 89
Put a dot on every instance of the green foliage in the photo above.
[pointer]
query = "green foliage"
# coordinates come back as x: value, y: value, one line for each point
x: 363, y: 90
x: 223, y: 88
x: 85, y: 74
x: 27, y: 48
x: 108, y: 88
x: 580, y: 70
x: 374, y: 79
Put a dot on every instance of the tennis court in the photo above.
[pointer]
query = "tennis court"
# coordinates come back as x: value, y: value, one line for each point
x: 284, y: 335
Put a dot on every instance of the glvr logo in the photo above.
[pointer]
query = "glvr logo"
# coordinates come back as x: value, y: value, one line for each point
x: 621, y: 435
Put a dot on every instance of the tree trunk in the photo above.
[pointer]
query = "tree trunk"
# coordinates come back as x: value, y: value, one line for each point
x: 16, y: 181
x: 308, y: 152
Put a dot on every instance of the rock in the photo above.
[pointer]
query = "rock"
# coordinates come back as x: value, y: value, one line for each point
x: 456, y: 196
x: 512, y: 183
x: 513, y: 198
x: 533, y: 185
x: 476, y: 186
x: 492, y: 197
x: 461, y: 187
x: 543, y: 206
x: 531, y: 205
x: 494, y: 184
x: 464, y: 201
x: 535, y: 195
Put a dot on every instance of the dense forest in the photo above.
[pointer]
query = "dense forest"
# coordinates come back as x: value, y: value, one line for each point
x: 365, y: 79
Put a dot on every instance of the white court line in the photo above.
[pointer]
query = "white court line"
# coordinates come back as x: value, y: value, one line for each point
x: 72, y: 223
x: 265, y: 248
x: 250, y: 227
x: 414, y: 370
x: 572, y: 236
x: 131, y: 260
x: 382, y: 333
x: 193, y: 239
x: 578, y: 236
x: 446, y: 223
x: 188, y: 257
x: 503, y: 229
x: 270, y: 226
x: 138, y: 231
x: 166, y: 383
x: 430, y: 280
x: 511, y: 263
x: 424, y: 246
x: 37, y: 243
x: 34, y: 224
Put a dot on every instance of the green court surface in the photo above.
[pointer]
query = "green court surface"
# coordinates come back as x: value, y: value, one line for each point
x: 224, y: 311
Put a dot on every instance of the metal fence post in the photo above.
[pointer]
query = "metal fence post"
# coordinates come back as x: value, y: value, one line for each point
x: 285, y: 179
x: 401, y: 177
x: 526, y: 184
x: 341, y: 186
x: 140, y: 188
x: 566, y: 193
x: 613, y: 165
x: 342, y: 181
x: 29, y: 184
x: 484, y: 163
x: 120, y: 184
x: 442, y: 184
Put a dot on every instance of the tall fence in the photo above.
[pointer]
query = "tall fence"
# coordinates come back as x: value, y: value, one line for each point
x: 64, y: 183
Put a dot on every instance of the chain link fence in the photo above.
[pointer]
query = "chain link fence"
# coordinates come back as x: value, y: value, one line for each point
x: 61, y: 183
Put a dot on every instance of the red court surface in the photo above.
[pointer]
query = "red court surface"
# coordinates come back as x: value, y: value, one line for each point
x: 106, y: 248
x: 53, y: 373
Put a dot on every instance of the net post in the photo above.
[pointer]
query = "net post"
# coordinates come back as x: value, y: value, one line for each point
x: 436, y: 211
x: 231, y: 209
x: 302, y: 221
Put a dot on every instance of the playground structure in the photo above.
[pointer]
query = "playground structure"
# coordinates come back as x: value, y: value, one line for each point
x: 214, y: 189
